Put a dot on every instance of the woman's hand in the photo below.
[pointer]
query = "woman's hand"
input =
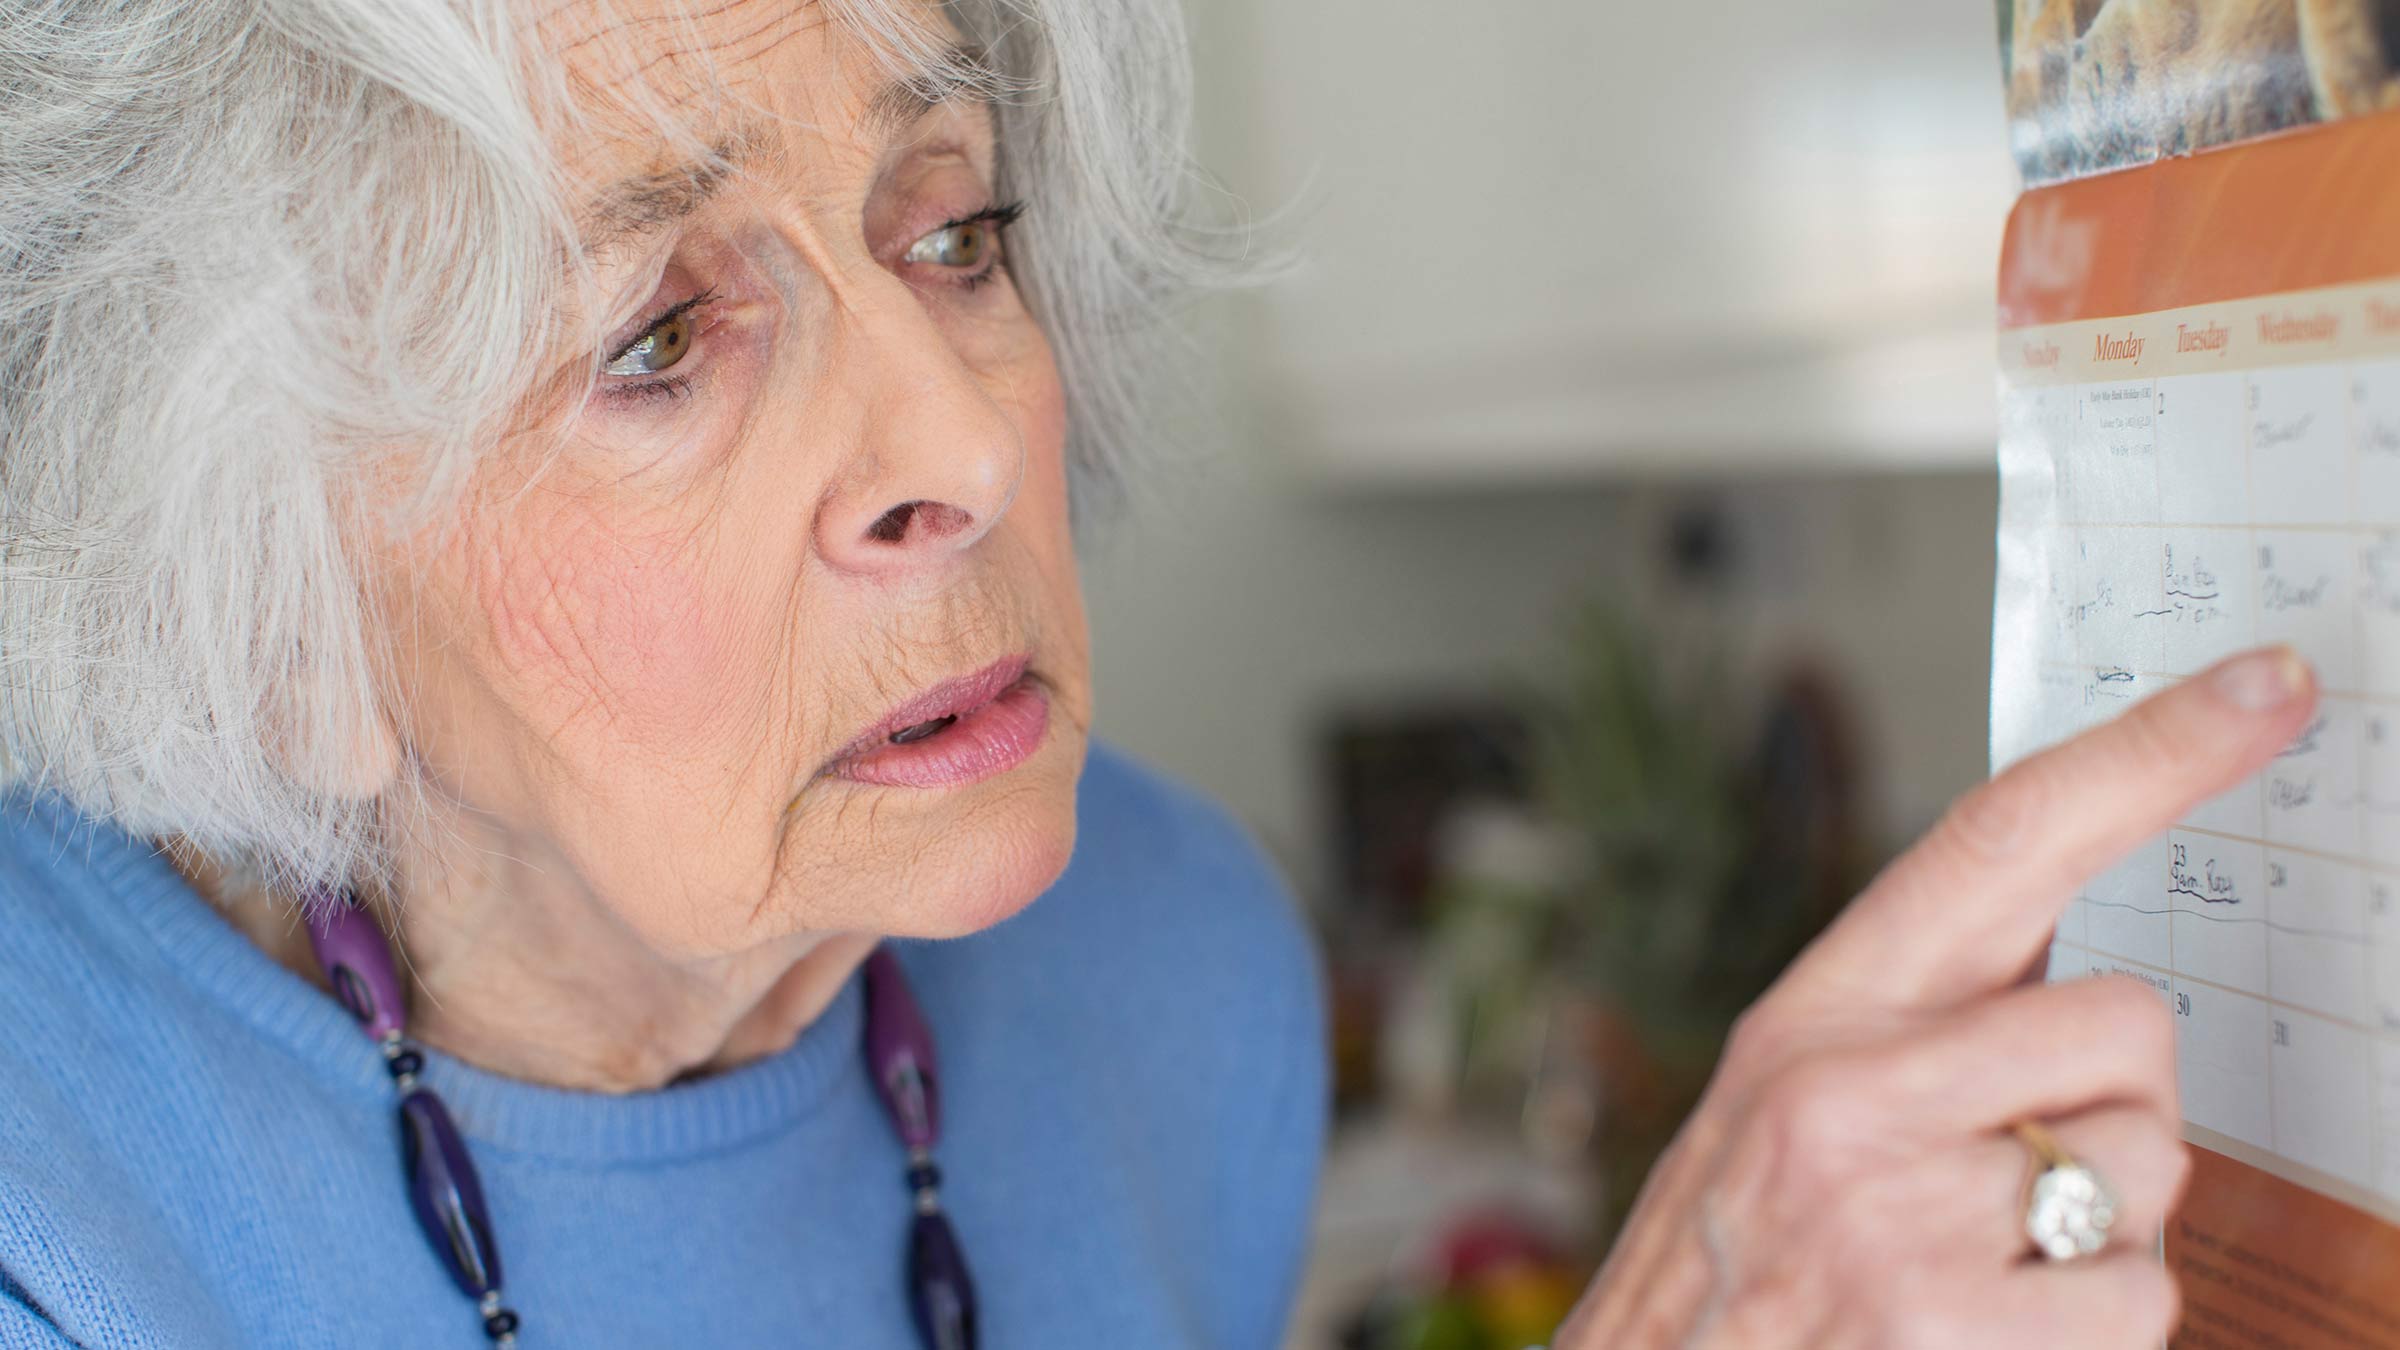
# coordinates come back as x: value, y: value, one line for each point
x: 1849, y: 1179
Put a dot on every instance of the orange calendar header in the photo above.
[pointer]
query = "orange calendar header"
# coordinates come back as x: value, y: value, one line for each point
x: 2308, y: 209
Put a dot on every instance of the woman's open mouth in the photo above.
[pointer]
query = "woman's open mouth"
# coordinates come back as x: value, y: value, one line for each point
x: 963, y: 731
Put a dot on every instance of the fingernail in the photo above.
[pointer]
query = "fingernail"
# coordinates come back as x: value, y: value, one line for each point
x: 2263, y: 679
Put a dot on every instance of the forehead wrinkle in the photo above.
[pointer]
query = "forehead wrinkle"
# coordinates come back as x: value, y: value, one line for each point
x: 684, y: 23
x: 735, y: 48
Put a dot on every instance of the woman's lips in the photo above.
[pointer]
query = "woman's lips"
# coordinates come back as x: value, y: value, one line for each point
x: 960, y: 732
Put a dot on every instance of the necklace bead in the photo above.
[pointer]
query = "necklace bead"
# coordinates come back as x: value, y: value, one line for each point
x: 447, y: 1195
x: 940, y: 1294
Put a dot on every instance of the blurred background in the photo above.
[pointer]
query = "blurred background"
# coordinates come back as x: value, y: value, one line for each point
x: 1578, y: 571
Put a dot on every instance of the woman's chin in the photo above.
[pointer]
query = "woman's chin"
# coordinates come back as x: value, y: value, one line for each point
x: 991, y: 885
x: 949, y: 861
x: 1001, y: 851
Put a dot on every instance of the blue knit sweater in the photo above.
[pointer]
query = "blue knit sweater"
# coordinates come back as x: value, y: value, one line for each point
x: 198, y: 1148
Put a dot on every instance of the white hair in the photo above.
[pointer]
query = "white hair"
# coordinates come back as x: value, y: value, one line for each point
x: 256, y: 260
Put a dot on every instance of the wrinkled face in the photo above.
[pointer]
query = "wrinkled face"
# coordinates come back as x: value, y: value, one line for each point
x: 784, y: 634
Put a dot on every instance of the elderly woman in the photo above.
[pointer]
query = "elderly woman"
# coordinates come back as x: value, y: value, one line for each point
x: 541, y: 674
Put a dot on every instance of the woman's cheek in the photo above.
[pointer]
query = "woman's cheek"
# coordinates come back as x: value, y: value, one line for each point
x: 601, y: 630
x: 1046, y: 421
x: 1027, y: 382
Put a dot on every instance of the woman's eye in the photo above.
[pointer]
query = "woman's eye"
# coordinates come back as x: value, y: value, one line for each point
x: 660, y: 346
x: 964, y: 246
x: 969, y: 245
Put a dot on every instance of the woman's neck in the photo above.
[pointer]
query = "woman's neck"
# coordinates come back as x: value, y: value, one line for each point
x: 544, y: 985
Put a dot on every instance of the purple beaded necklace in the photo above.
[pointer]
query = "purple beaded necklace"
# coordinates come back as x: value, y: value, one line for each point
x: 448, y: 1199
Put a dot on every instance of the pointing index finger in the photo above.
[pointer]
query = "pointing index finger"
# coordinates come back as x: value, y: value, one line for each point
x: 1972, y: 905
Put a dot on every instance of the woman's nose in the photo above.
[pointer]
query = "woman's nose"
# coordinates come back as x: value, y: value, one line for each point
x: 938, y: 458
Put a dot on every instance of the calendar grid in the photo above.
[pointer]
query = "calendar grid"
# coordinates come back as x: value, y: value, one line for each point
x: 2164, y: 519
x: 2136, y: 963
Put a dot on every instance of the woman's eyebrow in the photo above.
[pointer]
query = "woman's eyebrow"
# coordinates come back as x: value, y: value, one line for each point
x: 644, y: 204
x: 960, y: 74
